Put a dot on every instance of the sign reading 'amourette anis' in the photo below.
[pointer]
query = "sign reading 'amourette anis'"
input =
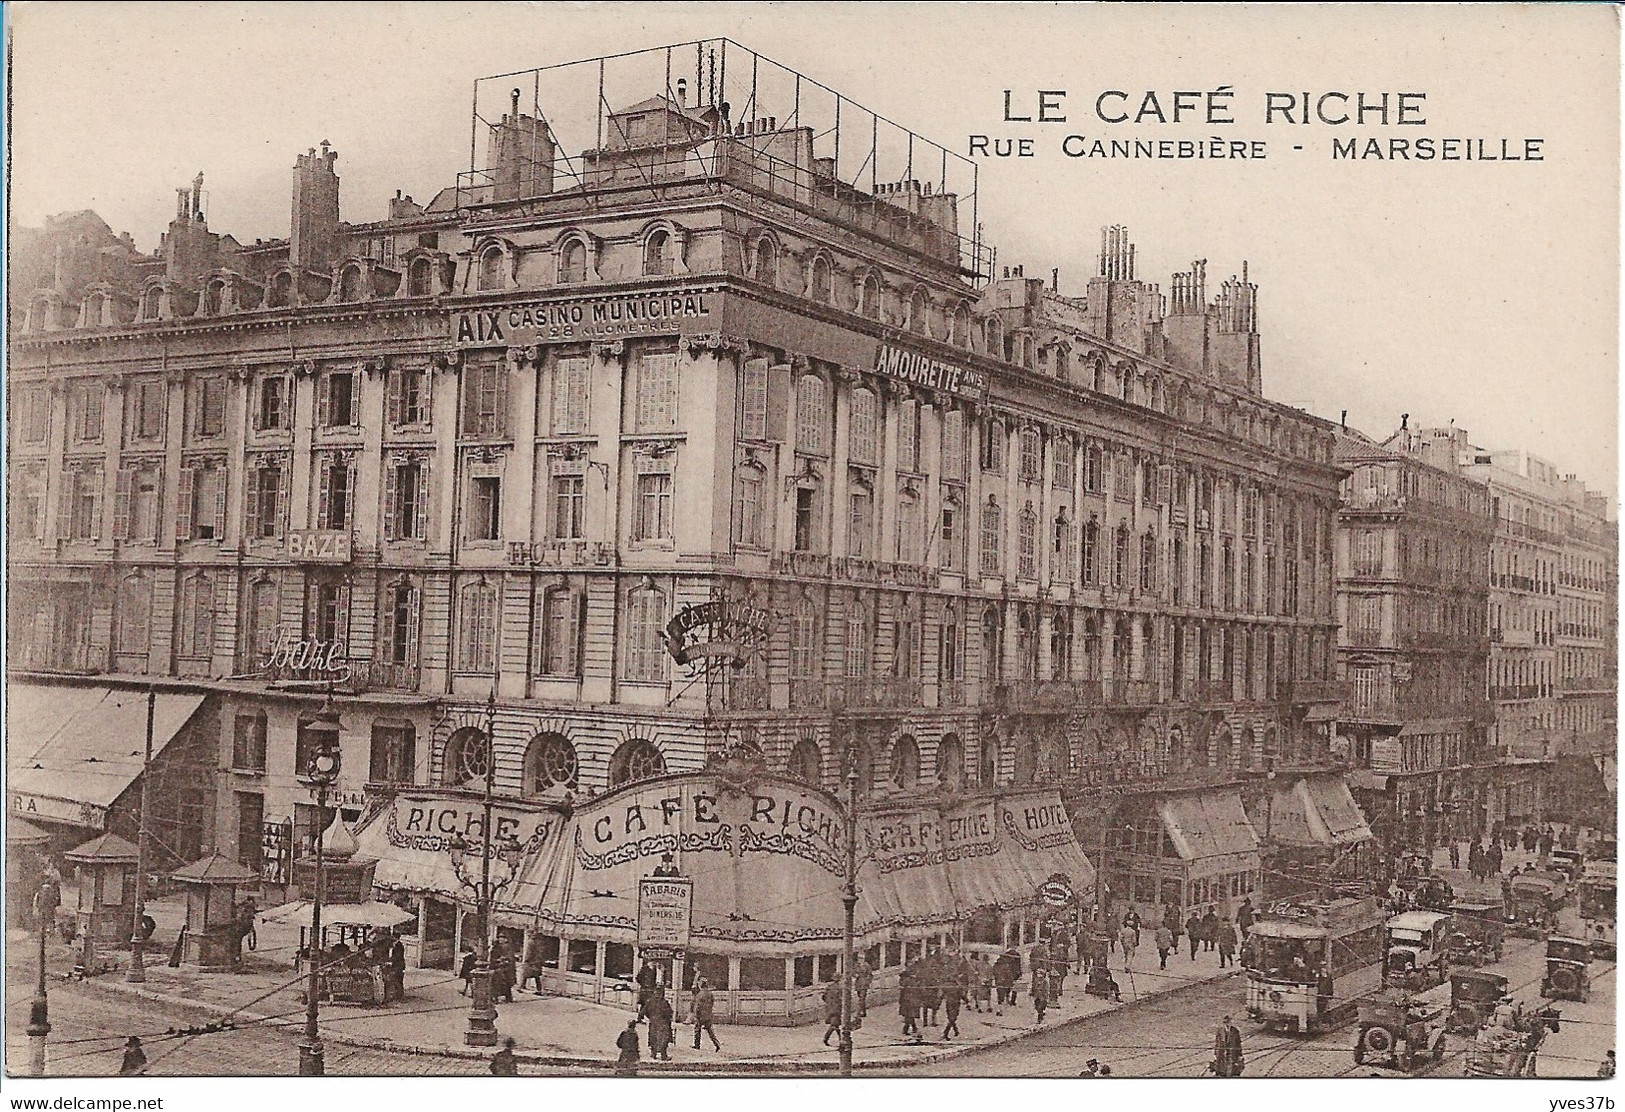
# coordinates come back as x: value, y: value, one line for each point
x: 596, y: 319
x: 922, y: 370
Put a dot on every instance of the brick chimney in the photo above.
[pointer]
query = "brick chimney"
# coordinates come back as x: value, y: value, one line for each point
x: 313, y: 241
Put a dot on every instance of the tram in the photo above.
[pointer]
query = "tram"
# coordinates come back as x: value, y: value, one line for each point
x: 1598, y: 897
x: 1309, y: 963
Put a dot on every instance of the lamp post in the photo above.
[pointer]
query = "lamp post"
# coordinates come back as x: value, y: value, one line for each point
x: 482, y: 1013
x: 323, y: 772
x: 46, y: 902
x: 849, y: 902
x: 137, y: 973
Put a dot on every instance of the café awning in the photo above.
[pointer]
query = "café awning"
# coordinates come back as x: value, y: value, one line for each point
x: 1311, y: 812
x: 1210, y: 828
x: 72, y: 750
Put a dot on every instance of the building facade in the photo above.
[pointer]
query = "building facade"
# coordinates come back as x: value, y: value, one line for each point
x: 489, y: 470
x: 1413, y: 584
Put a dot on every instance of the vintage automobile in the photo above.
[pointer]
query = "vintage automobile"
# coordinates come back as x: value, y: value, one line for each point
x: 1568, y: 969
x: 1415, y: 950
x: 1474, y: 996
x: 1477, y: 928
x: 1569, y: 862
x: 1399, y: 1032
x: 1424, y: 890
x: 1598, y: 890
x: 1532, y: 910
x: 1506, y: 1045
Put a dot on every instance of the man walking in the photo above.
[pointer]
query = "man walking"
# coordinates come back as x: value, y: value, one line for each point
x: 1165, y: 943
x: 627, y: 1043
x: 1129, y: 939
x: 1040, y: 991
x: 1193, y: 931
x: 1245, y: 916
x: 703, y: 1009
x: 1227, y: 1059
x: 1210, y: 931
x: 832, y: 1009
x: 862, y: 978
x: 1006, y: 971
x: 1227, y: 943
x: 952, y: 998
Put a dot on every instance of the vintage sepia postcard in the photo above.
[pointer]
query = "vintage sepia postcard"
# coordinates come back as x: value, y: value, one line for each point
x: 893, y: 541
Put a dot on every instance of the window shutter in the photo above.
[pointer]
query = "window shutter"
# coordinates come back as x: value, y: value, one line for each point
x: 183, y: 506
x: 578, y: 631
x: 64, y: 505
x: 778, y: 402
x: 251, y: 514
x: 413, y: 610
x: 121, y: 504
x: 1165, y: 485
x: 580, y: 395
x: 219, y: 503
x: 341, y: 616
x: 421, y: 524
x: 426, y: 396
x: 754, y: 394
x: 324, y: 495
x: 392, y: 476
x: 397, y: 396
x: 499, y: 407
x: 214, y: 405
x: 284, y: 496
x: 324, y: 401
x: 258, y: 406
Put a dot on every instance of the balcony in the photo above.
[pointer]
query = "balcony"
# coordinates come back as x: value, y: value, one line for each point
x: 951, y: 694
x: 1515, y: 693
x: 1046, y: 695
x: 1602, y: 685
x: 1130, y: 693
x: 1304, y: 692
x: 1212, y: 691
x: 881, y: 693
x: 380, y: 675
x: 817, y: 565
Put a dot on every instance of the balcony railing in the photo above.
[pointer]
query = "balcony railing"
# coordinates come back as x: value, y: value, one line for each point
x: 1212, y: 691
x: 873, y: 693
x: 1130, y: 693
x: 1057, y: 695
x: 1303, y: 692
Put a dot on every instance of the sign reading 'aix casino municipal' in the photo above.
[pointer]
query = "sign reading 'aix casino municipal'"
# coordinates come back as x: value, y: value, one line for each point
x: 606, y: 318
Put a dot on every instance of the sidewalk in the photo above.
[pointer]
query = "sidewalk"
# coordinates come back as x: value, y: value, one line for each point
x: 561, y: 1032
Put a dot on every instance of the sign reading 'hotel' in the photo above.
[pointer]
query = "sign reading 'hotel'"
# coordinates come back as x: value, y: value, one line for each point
x: 598, y: 319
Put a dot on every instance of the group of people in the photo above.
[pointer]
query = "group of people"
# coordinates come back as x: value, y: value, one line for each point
x: 1204, y: 931
x: 656, y: 1009
x: 504, y: 972
x: 1483, y: 862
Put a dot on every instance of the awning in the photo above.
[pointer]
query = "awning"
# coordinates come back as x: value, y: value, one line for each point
x: 72, y: 750
x: 766, y: 859
x: 1323, y: 712
x: 1312, y: 812
x: 1212, y: 828
x: 373, y: 913
x: 1367, y: 781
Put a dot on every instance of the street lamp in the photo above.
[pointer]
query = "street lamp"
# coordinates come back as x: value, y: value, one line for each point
x: 482, y: 1013
x: 323, y: 772
x: 46, y: 902
x: 849, y: 901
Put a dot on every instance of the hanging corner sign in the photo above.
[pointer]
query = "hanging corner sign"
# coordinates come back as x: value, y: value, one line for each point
x: 665, y: 911
x: 1056, y: 891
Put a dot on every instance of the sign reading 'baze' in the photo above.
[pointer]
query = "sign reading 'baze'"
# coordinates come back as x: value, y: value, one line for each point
x: 660, y: 314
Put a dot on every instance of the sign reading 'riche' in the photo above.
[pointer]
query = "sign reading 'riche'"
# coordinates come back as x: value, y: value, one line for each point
x: 598, y: 319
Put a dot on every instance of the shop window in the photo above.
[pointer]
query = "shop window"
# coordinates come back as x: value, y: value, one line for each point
x: 761, y: 974
x: 894, y: 954
x: 713, y: 967
x: 544, y: 950
x: 583, y: 956
x: 804, y: 971
x: 393, y: 759
x: 618, y: 961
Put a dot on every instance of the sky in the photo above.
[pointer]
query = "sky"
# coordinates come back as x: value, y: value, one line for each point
x: 1483, y: 293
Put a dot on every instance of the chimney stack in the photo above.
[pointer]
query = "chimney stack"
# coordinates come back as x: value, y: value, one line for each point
x: 313, y: 241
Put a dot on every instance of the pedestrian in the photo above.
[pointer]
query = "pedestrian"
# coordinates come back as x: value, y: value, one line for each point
x: 1091, y: 1068
x: 1132, y: 922
x: 503, y: 1063
x: 1475, y: 860
x: 1227, y: 1059
x: 1006, y: 972
x: 1455, y: 854
x: 1165, y: 943
x: 1040, y: 992
x: 1193, y: 932
x: 1493, y: 859
x: 503, y: 974
x: 931, y: 986
x: 648, y: 977
x: 832, y: 1009
x: 1227, y: 943
x: 397, y: 970
x: 1058, y: 967
x: 627, y: 1042
x: 135, y: 1059
x: 703, y: 1011
x: 1245, y: 916
x: 908, y: 999
x: 1129, y: 938
x: 1210, y: 931
x: 952, y: 999
x: 466, y: 972
x: 661, y: 1023
x: 1607, y: 1067
x: 983, y: 972
x: 863, y: 978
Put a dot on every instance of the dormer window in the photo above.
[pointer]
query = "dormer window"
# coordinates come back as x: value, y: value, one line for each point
x: 822, y: 287
x: 657, y: 253
x: 151, y: 303
x: 767, y: 262
x: 281, y: 292
x: 490, y: 277
x: 572, y: 262
x: 350, y: 284
x: 420, y: 278
x: 214, y: 297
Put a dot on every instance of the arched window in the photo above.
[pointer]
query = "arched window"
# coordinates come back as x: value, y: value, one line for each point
x: 550, y: 761
x: 214, y: 296
x: 767, y: 261
x: 951, y: 762
x: 1026, y: 643
x: 1178, y: 756
x: 635, y: 760
x: 1120, y: 571
x: 992, y: 536
x: 134, y: 614
x: 476, y: 642
x: 94, y: 305
x: 1249, y: 759
x: 858, y: 640
x: 350, y: 280
x: 992, y: 645
x: 420, y: 278
x: 804, y: 640
x: 646, y: 621
x: 1148, y: 561
x: 196, y: 634
x: 1027, y: 543
x: 960, y: 327
x: 918, y: 306
x: 280, y: 294
x: 863, y: 759
x: 1026, y: 770
x: 467, y: 758
x: 152, y: 303
x: 993, y: 338
x: 1148, y: 650
x: 1121, y: 651
x: 572, y: 261
x: 1091, y: 649
x: 905, y: 763
x: 491, y: 260
x: 806, y: 763
x: 948, y: 653
x: 869, y: 297
x: 657, y: 252
x: 822, y: 285
x: 812, y: 416
x: 1054, y: 759
x: 1222, y: 755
